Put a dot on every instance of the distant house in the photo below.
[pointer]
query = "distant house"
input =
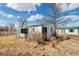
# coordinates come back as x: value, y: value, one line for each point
x: 46, y: 30
x: 74, y: 30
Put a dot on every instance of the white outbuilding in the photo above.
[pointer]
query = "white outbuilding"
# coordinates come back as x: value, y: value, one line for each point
x: 74, y: 30
x: 46, y: 30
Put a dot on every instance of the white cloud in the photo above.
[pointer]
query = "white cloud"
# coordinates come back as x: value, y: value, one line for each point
x: 63, y: 6
x: 75, y: 12
x: 18, y: 17
x: 38, y: 16
x: 3, y: 13
x: 73, y: 6
x: 35, y: 17
x: 23, y: 6
x: 17, y: 24
x: 68, y: 7
x: 72, y: 17
x: 68, y: 17
x: 10, y: 16
x: 6, y: 14
x: 70, y: 20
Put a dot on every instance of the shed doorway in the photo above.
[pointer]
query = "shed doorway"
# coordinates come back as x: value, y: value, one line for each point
x: 44, y: 32
x: 78, y: 31
x: 24, y: 32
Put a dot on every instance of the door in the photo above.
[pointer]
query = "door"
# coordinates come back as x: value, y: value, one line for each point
x: 44, y: 33
x: 78, y: 31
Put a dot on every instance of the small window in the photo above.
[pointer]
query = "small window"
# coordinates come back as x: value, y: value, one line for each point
x: 71, y: 30
x: 24, y: 30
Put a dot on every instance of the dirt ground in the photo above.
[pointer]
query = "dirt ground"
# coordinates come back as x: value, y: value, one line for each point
x: 12, y: 46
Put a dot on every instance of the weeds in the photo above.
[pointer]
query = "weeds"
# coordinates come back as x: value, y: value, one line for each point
x: 10, y: 45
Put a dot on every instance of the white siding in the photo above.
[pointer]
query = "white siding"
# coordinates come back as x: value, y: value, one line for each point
x: 49, y: 32
x: 37, y: 29
x: 75, y: 32
x: 67, y: 31
x: 58, y: 31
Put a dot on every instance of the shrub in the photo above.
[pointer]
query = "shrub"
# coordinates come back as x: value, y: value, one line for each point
x: 37, y: 37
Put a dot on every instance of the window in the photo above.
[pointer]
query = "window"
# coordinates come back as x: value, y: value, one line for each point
x: 24, y: 30
x: 71, y: 30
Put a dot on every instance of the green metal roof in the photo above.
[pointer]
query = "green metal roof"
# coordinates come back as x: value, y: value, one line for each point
x: 29, y: 26
x: 72, y: 27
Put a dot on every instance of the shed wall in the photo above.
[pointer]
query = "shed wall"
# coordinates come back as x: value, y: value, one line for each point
x: 49, y: 30
x: 36, y: 29
x: 75, y: 32
x: 67, y: 31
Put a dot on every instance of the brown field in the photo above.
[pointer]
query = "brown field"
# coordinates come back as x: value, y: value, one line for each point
x: 12, y: 46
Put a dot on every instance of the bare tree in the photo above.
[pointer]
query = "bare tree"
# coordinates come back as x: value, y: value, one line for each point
x: 55, y: 11
x: 55, y: 15
x: 23, y: 20
x: 11, y: 27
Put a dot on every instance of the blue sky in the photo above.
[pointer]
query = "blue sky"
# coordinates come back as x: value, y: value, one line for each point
x: 9, y: 13
x: 15, y: 13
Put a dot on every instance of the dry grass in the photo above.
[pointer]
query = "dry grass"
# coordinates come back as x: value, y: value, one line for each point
x: 10, y: 45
